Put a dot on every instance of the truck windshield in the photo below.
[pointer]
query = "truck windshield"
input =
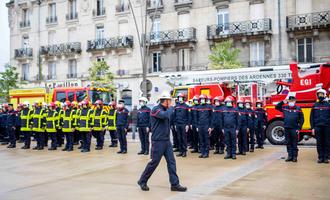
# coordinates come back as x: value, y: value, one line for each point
x: 104, y: 96
x: 183, y: 91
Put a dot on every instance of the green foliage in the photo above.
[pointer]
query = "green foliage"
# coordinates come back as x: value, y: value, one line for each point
x: 101, y: 76
x: 224, y: 56
x: 8, y: 81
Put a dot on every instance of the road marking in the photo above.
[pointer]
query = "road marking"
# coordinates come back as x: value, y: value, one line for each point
x: 222, y: 181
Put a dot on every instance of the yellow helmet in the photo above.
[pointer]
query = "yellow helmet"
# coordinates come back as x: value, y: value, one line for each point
x: 58, y: 104
x: 74, y: 104
x: 39, y: 103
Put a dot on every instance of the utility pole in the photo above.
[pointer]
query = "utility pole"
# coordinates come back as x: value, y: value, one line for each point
x: 142, y: 38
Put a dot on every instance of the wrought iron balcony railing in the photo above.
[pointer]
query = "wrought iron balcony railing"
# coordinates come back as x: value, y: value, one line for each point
x: 251, y: 27
x: 122, y: 8
x: 110, y: 43
x: 309, y: 20
x: 99, y: 12
x: 23, y: 53
x: 61, y: 49
x: 182, y: 3
x: 73, y: 75
x: 24, y: 24
x: 51, y: 20
x: 172, y: 36
x: 72, y: 16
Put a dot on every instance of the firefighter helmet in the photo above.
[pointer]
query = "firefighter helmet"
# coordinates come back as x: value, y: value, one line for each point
x: 143, y: 99
x: 219, y: 98
x: 58, y: 104
x: 84, y: 102
x: 180, y: 95
x: 240, y: 100
x: 113, y: 104
x: 209, y: 97
x: 74, y: 104
x: 323, y: 91
x: 248, y: 101
x: 165, y: 95
x: 26, y: 103
x: 98, y: 102
x: 259, y: 101
x: 229, y: 99
x: 67, y: 104
x: 196, y: 97
x: 52, y: 104
x: 202, y: 96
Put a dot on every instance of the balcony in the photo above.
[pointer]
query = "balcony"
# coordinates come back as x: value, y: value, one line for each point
x: 66, y: 49
x: 99, y: 12
x: 51, y: 20
x: 71, y: 16
x: 24, y: 24
x: 110, y: 43
x: 153, y: 6
x: 172, y: 37
x: 23, y: 53
x: 220, y: 2
x: 182, y: 4
x: 307, y: 21
x: 122, y: 8
x: 69, y: 76
x: 243, y: 28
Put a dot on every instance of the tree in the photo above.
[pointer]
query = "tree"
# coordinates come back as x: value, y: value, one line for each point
x: 101, y: 75
x: 8, y: 81
x: 224, y: 56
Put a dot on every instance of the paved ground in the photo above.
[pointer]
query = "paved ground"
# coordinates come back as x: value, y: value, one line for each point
x: 107, y: 175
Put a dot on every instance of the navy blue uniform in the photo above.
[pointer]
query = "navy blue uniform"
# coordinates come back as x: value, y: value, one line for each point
x: 194, y: 123
x: 4, y: 135
x: 242, y: 130
x: 11, y: 127
x: 161, y: 145
x: 181, y: 120
x: 204, y: 117
x: 261, y: 121
x: 230, y: 126
x: 122, y: 124
x: 143, y: 122
x: 217, y: 125
x: 293, y: 122
x: 320, y: 122
x: 251, y: 123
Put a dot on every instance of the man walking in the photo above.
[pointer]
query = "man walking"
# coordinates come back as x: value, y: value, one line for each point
x: 161, y: 144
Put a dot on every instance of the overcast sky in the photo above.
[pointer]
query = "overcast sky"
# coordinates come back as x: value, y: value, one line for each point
x: 4, y: 34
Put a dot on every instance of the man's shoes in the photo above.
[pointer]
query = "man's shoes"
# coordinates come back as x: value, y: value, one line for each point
x: 98, y: 148
x: 326, y: 161
x: 25, y: 147
x: 184, y: 154
x: 11, y: 146
x: 141, y: 153
x: 65, y: 149
x: 176, y: 150
x: 143, y: 186
x: 113, y: 145
x: 178, y: 188
x: 243, y: 153
x: 146, y: 153
x: 124, y: 152
x: 71, y: 149
x: 85, y: 150
x: 221, y: 152
x: 200, y: 156
x: 194, y: 151
x: 52, y: 149
x: 35, y: 148
x: 227, y: 157
x: 40, y: 148
x: 206, y: 156
x: 320, y: 161
x: 294, y: 160
x: 179, y: 155
x: 288, y: 159
x: 80, y: 147
x: 233, y: 157
x: 119, y: 152
x: 251, y: 150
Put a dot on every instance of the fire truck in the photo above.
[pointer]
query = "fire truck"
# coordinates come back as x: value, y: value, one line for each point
x: 304, y: 87
x: 61, y: 94
x: 303, y: 82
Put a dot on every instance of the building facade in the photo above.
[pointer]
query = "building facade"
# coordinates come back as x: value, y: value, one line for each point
x: 58, y: 40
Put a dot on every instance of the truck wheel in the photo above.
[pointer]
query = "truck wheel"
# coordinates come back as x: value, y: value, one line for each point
x: 275, y: 133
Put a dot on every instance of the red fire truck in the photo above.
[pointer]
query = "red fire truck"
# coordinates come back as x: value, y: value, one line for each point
x: 304, y: 87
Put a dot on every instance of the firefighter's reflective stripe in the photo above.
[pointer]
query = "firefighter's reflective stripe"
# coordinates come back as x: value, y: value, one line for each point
x: 51, y: 123
x: 60, y: 115
x: 84, y: 121
x: 75, y: 118
x: 112, y: 120
x: 67, y: 122
x: 26, y: 120
x: 99, y: 121
x: 39, y: 127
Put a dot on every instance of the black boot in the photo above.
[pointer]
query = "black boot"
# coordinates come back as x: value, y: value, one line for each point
x: 11, y: 146
x: 85, y: 150
x: 326, y: 161
x: 294, y: 159
x: 227, y: 156
x: 178, y: 188
x: 143, y: 186
x: 179, y: 155
x: 146, y: 153
x: 194, y: 151
x: 233, y: 157
x: 184, y: 154
x: 221, y: 151
x: 289, y: 159
x: 141, y: 153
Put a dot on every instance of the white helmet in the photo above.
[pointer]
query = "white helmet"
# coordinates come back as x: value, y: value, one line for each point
x: 143, y: 99
x: 165, y: 95
x: 26, y: 103
x: 322, y: 91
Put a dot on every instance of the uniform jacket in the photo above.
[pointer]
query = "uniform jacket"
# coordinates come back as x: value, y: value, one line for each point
x: 181, y: 114
x: 204, y: 115
x: 293, y: 116
x: 230, y: 118
x: 320, y: 114
x: 261, y: 116
x: 217, y: 116
x: 160, y: 123
x: 242, y: 117
x: 122, y: 117
x: 143, y: 117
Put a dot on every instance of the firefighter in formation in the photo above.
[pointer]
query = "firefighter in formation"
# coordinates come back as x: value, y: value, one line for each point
x: 201, y: 124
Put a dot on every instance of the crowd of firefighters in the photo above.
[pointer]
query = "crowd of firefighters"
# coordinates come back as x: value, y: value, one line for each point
x: 201, y: 124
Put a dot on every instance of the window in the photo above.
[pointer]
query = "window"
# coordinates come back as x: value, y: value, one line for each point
x: 184, y: 59
x: 81, y: 95
x: 156, y: 29
x: 100, y: 7
x: 72, y: 69
x: 305, y: 50
x: 156, y: 62
x: 73, y: 7
x: 70, y: 96
x: 25, y: 16
x: 100, y: 36
x: 52, y: 70
x: 155, y: 3
x: 52, y: 10
x: 25, y: 42
x: 223, y: 21
x: 60, y: 96
x: 257, y: 54
x: 25, y: 72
